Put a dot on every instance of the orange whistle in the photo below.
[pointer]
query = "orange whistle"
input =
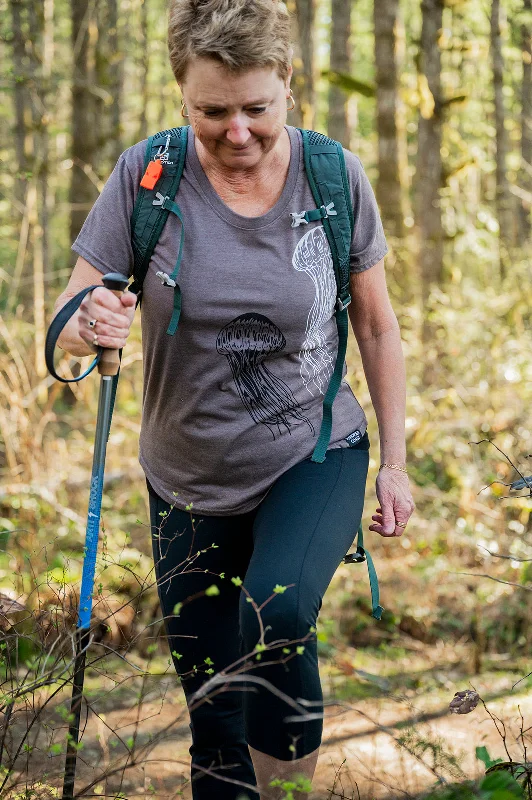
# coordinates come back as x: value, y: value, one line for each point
x: 154, y: 170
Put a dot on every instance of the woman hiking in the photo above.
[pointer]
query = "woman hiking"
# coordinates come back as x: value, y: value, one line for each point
x: 233, y: 401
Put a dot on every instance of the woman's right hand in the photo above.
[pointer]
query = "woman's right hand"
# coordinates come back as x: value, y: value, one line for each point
x: 113, y: 316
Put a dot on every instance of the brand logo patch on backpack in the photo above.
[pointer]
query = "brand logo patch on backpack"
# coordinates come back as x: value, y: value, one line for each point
x: 353, y: 438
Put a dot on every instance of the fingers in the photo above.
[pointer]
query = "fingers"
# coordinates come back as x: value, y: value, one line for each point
x: 396, y: 502
x: 388, y: 525
x: 111, y: 317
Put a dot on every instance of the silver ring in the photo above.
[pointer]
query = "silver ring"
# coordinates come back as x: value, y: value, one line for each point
x: 92, y: 323
x: 95, y: 340
x: 401, y: 524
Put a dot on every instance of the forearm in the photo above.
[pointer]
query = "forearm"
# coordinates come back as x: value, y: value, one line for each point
x: 384, y: 367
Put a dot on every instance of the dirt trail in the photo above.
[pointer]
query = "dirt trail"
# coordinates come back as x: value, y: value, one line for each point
x: 359, y: 743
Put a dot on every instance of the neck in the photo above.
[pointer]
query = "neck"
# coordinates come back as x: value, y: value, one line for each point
x: 241, y: 180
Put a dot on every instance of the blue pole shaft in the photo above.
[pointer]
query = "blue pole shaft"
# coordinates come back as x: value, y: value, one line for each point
x: 87, y: 580
x: 95, y: 502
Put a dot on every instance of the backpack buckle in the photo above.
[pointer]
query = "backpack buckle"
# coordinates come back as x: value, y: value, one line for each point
x: 166, y: 280
x: 298, y: 219
x: 341, y: 305
x: 355, y: 558
x: 159, y: 199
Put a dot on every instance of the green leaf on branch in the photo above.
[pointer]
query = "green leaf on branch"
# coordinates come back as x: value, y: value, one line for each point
x: 483, y: 755
x: 349, y: 84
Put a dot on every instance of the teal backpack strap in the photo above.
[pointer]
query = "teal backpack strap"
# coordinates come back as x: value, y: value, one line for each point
x: 327, y: 176
x: 164, y: 162
x: 358, y: 557
x: 326, y: 173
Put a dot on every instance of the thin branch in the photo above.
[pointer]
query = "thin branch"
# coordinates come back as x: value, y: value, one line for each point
x: 491, y: 578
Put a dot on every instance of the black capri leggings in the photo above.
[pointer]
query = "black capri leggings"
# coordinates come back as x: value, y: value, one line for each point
x: 298, y: 535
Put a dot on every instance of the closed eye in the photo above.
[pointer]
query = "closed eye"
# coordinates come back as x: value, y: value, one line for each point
x: 218, y: 112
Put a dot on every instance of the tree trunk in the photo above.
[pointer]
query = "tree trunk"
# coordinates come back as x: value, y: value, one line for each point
x: 44, y: 172
x: 84, y: 122
x: 116, y: 64
x: 526, y: 120
x: 40, y: 18
x: 503, y: 198
x: 20, y: 99
x: 23, y: 138
x: 389, y: 188
x: 304, y: 12
x: 144, y: 69
x: 429, y: 165
x: 108, y: 80
x: 340, y: 61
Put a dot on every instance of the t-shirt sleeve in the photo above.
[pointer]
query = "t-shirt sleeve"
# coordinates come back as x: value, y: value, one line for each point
x: 105, y: 238
x: 368, y: 245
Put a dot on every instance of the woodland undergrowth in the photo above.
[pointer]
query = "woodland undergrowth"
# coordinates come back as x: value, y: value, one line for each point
x: 459, y: 579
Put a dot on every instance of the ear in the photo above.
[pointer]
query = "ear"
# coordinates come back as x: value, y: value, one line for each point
x: 289, y: 78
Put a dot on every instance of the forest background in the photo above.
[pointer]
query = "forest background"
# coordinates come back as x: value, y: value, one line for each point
x: 436, y: 99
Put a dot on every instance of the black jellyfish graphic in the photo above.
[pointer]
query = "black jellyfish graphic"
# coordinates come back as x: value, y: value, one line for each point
x: 247, y: 341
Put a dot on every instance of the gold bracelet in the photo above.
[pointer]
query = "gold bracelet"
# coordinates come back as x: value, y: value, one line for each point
x: 394, y: 466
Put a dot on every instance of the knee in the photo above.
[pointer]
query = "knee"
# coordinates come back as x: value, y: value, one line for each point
x: 282, y: 618
x: 218, y: 721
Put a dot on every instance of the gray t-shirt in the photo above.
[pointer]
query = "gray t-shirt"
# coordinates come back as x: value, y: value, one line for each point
x: 234, y: 398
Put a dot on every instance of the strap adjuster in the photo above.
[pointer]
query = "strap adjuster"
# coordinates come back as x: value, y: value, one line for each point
x: 341, y: 305
x: 160, y: 200
x: 355, y: 558
x: 166, y: 280
x: 328, y: 211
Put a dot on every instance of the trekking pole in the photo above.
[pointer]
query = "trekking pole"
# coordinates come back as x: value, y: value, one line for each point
x: 108, y: 363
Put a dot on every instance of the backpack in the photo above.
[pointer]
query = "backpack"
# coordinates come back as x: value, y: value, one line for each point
x: 164, y: 163
x: 325, y: 167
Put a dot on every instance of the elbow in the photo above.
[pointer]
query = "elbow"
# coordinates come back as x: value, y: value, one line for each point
x: 375, y: 328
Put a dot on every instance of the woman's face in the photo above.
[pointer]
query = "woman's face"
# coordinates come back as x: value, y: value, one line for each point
x: 237, y: 117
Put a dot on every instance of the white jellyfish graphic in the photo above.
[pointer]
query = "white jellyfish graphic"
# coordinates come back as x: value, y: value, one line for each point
x: 247, y: 342
x: 313, y: 256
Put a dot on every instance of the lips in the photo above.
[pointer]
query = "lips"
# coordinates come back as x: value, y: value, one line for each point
x: 240, y: 149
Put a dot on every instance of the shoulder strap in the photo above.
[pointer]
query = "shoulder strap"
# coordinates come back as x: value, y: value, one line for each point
x: 327, y: 176
x: 154, y: 199
x: 326, y: 172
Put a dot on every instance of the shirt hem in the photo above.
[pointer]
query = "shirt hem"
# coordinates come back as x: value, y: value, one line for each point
x: 243, y: 508
x: 370, y: 262
x: 93, y: 259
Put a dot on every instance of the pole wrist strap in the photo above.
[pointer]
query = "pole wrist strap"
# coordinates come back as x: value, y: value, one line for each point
x: 54, y: 331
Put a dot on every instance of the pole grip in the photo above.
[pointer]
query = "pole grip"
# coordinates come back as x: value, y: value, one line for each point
x: 110, y: 360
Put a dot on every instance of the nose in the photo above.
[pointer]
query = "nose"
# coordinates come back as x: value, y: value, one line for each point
x: 237, y: 130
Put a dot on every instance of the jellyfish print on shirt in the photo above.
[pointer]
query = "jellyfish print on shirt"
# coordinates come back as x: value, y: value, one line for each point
x: 247, y: 341
x: 313, y: 256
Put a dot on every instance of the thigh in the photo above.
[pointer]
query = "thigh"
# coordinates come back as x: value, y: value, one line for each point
x: 302, y: 531
x: 191, y: 554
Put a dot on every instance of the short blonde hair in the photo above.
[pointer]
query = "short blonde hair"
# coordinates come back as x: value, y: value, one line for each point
x: 241, y: 34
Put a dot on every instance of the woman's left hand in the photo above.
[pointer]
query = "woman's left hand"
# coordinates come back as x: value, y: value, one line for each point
x: 396, y: 503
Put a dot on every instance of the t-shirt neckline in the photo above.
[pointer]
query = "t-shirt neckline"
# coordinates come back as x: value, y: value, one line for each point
x: 223, y: 210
